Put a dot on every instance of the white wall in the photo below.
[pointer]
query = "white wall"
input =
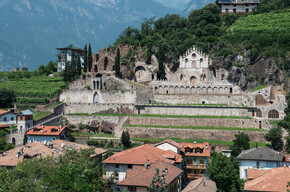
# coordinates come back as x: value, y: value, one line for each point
x: 167, y: 146
x: 111, y: 168
x: 8, y: 117
x: 239, y: 8
x: 247, y: 164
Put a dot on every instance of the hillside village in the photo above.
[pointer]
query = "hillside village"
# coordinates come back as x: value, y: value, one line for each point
x: 151, y: 126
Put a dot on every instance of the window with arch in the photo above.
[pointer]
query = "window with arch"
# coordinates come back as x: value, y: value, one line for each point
x: 186, y: 60
x: 193, y: 55
x: 259, y: 113
x: 201, y: 60
x: 181, y: 77
x: 106, y: 63
x: 273, y: 114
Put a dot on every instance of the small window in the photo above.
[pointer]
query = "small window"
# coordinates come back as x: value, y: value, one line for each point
x: 247, y: 10
x: 258, y: 164
x: 117, y: 166
x: 12, y: 118
x: 234, y: 10
x: 203, y: 102
x: 21, y: 118
x: 5, y: 118
x: 227, y: 10
x: 130, y: 166
x: 201, y: 60
x: 197, y: 150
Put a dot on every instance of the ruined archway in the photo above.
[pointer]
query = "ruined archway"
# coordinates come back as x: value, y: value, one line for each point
x: 140, y: 73
x: 193, y: 80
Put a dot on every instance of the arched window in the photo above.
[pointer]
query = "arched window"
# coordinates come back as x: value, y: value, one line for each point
x: 201, y: 60
x: 274, y: 114
x: 186, y: 60
x: 259, y: 113
x: 193, y: 55
x: 106, y: 63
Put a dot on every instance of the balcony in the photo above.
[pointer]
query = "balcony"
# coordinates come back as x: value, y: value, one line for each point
x: 193, y: 176
x: 200, y: 166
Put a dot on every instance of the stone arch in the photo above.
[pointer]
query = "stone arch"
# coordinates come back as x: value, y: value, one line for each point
x: 193, y: 90
x: 259, y: 113
x: 106, y: 62
x: 273, y: 114
x: 215, y: 90
x: 13, y: 141
x: 193, y: 80
x: 96, y: 97
x: 182, y: 90
x: 160, y: 89
x: 221, y: 90
x: 226, y: 90
x: 204, y: 90
x: 140, y: 73
x: 177, y: 89
x: 165, y: 90
x: 187, y: 89
x: 198, y: 90
x: 94, y: 85
x: 209, y: 90
x: 171, y: 90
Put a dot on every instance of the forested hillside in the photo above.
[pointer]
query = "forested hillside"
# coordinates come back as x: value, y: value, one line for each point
x: 253, y: 47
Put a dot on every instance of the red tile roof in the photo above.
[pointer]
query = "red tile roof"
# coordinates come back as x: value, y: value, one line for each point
x: 143, y: 154
x: 46, y: 130
x: 203, y: 184
x: 254, y: 173
x: 2, y: 112
x: 141, y: 176
x: 37, y: 149
x: 204, y: 146
x: 5, y: 126
x: 273, y: 180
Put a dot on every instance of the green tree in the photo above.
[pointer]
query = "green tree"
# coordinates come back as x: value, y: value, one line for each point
x: 90, y: 58
x: 287, y: 147
x: 7, y: 97
x: 161, y: 69
x: 224, y: 174
x: 4, y: 146
x: 117, y: 67
x: 275, y: 137
x: 125, y: 139
x: 85, y: 58
x: 241, y: 142
x: 79, y: 66
x: 158, y: 183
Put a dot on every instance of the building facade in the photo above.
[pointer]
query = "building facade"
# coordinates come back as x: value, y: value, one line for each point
x: 24, y: 120
x: 67, y: 55
x: 7, y: 117
x: 237, y: 6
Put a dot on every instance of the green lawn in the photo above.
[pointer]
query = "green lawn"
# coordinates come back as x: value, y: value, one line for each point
x: 212, y: 142
x: 258, y: 88
x: 40, y: 114
x: 199, y: 127
x: 54, y: 105
x: 93, y: 134
x: 166, y: 116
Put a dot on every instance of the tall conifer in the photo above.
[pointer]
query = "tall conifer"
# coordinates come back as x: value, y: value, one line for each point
x: 117, y: 67
x: 85, y: 58
x: 90, y: 59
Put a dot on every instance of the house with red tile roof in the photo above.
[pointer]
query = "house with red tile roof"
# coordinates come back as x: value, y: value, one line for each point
x: 40, y: 149
x: 202, y: 184
x: 119, y: 164
x: 271, y: 180
x: 169, y: 145
x: 47, y: 133
x: 139, y: 179
x: 196, y: 159
x: 7, y: 118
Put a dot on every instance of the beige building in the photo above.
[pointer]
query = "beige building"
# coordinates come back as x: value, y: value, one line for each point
x: 238, y: 6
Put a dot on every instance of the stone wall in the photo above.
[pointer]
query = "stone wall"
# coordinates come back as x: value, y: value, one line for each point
x: 210, y: 122
x: 99, y: 108
x: 77, y: 119
x: 194, y: 110
x: 193, y: 134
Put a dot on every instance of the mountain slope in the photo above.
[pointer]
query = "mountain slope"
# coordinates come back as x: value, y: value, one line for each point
x: 30, y: 30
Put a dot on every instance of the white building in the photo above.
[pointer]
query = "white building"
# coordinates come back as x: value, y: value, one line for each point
x: 24, y: 120
x: 68, y: 54
x: 169, y: 145
x: 259, y: 158
x: 238, y: 6
x: 7, y: 117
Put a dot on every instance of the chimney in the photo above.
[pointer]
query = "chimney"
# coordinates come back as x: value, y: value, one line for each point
x: 42, y: 126
x: 60, y: 126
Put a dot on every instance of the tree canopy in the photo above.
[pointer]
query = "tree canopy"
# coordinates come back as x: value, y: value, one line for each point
x: 7, y: 98
x: 74, y: 171
x: 275, y: 137
x: 241, y: 142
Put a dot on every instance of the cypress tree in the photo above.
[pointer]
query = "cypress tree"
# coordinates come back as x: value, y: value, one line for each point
x: 79, y: 67
x: 117, y: 67
x: 161, y: 69
x: 90, y: 59
x: 85, y: 58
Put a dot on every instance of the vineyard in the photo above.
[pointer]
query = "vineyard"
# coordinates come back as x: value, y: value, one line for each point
x: 34, y: 90
x: 265, y: 32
